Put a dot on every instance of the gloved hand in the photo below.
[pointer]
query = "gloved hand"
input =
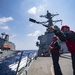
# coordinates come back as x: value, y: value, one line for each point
x: 51, y: 28
x: 54, y: 28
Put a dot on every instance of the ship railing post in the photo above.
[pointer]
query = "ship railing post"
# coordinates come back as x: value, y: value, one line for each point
x: 19, y: 62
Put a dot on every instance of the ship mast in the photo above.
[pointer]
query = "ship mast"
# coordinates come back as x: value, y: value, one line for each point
x: 49, y: 22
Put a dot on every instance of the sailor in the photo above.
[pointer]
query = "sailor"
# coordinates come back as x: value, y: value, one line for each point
x: 54, y: 49
x: 65, y: 34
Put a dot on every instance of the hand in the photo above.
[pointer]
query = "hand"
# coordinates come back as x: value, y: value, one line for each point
x: 51, y: 28
x: 50, y: 47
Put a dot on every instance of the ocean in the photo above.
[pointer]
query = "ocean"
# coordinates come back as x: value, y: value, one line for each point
x: 7, y: 64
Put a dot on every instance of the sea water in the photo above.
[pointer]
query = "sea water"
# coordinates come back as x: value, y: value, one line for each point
x: 5, y: 68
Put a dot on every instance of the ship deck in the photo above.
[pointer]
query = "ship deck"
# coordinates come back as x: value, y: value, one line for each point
x: 44, y: 66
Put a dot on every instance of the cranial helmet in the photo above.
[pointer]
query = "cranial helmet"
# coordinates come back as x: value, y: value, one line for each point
x: 65, y: 26
x: 55, y: 37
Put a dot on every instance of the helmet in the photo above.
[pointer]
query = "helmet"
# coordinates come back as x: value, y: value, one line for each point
x: 65, y: 26
x: 55, y: 37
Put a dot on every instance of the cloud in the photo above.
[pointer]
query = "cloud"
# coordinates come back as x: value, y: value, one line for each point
x: 35, y: 34
x: 32, y: 10
x: 4, y: 27
x: 4, y: 19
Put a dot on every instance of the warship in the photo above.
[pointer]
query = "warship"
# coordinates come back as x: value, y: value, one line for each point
x: 44, y: 65
x: 46, y: 39
x: 6, y: 47
x: 12, y: 61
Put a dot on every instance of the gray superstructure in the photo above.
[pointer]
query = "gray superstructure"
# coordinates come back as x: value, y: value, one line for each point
x: 44, y: 42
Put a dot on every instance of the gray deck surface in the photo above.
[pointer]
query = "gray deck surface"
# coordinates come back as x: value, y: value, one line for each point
x: 43, y: 66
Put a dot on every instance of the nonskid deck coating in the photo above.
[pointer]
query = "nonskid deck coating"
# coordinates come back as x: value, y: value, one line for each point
x: 43, y: 66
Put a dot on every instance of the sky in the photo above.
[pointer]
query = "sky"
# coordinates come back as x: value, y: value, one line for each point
x: 15, y: 14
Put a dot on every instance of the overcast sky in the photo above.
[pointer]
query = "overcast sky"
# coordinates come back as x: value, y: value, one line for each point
x: 15, y: 14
